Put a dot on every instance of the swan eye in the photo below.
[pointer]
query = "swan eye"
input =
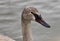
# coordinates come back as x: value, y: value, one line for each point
x: 32, y: 12
x: 36, y: 15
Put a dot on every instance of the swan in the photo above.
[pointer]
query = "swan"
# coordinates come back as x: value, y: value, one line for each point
x: 5, y: 38
x: 30, y: 14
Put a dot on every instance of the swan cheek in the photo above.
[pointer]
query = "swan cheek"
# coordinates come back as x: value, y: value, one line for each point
x: 33, y: 18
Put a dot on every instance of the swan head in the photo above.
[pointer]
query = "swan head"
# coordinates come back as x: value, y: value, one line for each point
x: 32, y: 14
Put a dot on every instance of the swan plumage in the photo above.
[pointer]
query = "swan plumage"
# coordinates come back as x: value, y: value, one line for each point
x: 30, y: 14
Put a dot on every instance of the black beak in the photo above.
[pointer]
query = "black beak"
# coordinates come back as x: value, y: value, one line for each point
x: 39, y: 19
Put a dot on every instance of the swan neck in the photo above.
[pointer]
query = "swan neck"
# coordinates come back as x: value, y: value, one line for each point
x: 26, y: 30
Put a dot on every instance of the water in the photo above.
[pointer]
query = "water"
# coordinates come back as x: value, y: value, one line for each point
x: 10, y: 19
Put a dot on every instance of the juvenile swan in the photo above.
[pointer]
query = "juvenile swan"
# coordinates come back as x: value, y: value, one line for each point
x: 5, y: 38
x: 29, y: 14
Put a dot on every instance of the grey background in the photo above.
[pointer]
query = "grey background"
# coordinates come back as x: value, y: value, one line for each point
x: 10, y: 19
